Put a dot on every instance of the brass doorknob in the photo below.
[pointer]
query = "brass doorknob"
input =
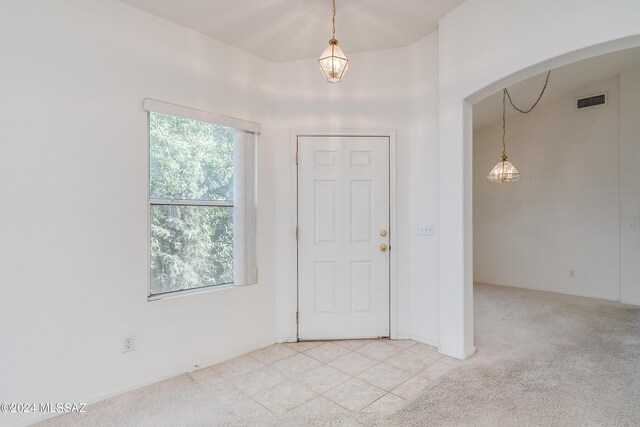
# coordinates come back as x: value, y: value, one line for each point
x: 383, y: 247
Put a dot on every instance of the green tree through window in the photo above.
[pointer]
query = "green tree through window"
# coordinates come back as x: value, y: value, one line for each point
x: 191, y: 203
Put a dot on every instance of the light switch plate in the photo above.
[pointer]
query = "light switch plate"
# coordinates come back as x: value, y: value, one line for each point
x: 427, y: 230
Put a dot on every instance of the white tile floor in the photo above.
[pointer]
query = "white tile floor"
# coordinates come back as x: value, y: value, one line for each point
x: 329, y: 377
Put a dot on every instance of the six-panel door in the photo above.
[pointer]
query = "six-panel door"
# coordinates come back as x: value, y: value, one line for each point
x: 343, y: 219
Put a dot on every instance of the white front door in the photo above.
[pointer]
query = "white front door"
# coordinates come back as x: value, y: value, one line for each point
x: 343, y: 220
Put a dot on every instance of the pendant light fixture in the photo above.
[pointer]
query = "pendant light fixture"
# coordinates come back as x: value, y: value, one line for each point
x: 504, y: 172
x: 333, y: 62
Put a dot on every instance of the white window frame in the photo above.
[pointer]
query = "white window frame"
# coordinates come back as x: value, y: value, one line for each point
x: 155, y: 106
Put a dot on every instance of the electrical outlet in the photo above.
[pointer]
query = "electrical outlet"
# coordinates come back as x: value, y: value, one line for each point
x: 572, y: 273
x: 128, y: 344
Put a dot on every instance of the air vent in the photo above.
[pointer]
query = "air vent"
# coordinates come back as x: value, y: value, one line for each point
x: 591, y: 101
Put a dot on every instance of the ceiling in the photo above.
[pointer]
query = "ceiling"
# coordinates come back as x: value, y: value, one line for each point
x: 564, y: 81
x: 286, y: 30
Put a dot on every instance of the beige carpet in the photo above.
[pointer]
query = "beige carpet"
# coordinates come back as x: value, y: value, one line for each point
x: 543, y: 359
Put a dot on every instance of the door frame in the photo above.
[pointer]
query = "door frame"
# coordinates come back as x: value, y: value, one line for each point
x: 386, y: 133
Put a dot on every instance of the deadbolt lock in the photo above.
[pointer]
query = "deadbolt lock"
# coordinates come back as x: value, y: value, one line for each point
x: 383, y: 233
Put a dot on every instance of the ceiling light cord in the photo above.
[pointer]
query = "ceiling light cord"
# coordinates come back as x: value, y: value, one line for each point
x: 546, y: 82
x: 506, y: 95
x: 504, y: 123
x: 333, y: 20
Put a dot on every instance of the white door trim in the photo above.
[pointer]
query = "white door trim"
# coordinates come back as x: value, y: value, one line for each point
x: 391, y: 134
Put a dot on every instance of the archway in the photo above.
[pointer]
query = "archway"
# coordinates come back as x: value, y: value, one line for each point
x: 473, y: 67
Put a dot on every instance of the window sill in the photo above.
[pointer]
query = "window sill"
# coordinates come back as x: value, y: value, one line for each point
x: 188, y: 292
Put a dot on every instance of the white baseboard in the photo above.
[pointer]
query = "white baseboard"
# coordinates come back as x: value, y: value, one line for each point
x: 418, y: 338
x: 629, y: 302
x: 436, y: 344
x: 460, y: 356
x: 574, y: 294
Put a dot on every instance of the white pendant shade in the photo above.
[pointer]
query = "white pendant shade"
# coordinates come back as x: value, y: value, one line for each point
x: 504, y: 172
x: 333, y: 62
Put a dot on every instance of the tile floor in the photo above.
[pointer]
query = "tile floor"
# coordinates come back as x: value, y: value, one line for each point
x: 330, y: 377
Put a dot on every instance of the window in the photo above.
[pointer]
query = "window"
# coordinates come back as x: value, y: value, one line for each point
x: 201, y: 199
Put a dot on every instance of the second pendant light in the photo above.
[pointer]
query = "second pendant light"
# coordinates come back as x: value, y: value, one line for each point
x: 504, y: 172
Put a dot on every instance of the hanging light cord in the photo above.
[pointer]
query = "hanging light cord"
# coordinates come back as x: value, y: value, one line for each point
x: 546, y: 82
x: 504, y: 124
x: 505, y: 96
x: 333, y: 21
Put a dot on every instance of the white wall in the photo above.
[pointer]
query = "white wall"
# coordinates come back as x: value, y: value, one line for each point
x: 73, y: 263
x: 422, y: 193
x: 630, y: 186
x: 382, y: 90
x: 564, y: 213
x: 484, y: 46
